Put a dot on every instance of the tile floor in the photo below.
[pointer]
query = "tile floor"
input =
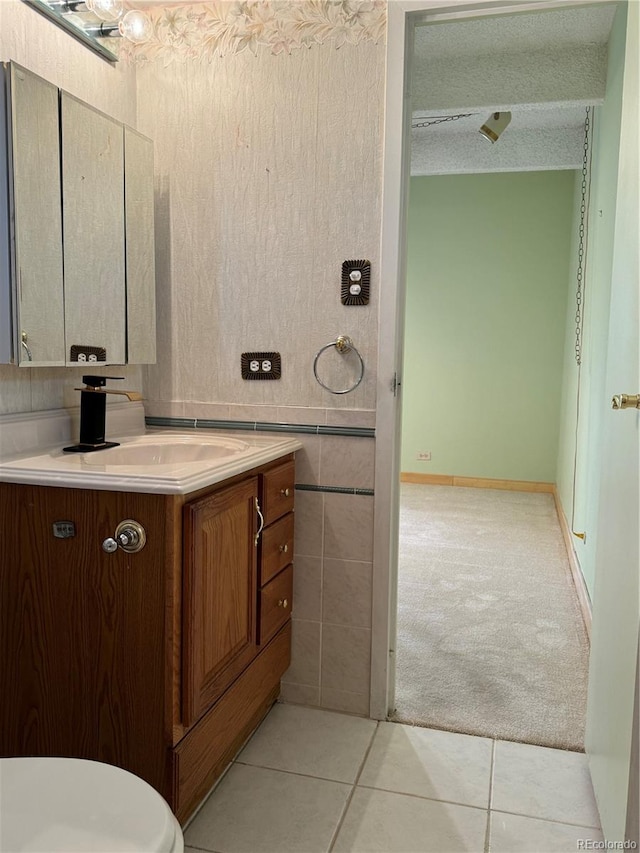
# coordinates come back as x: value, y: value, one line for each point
x: 312, y: 780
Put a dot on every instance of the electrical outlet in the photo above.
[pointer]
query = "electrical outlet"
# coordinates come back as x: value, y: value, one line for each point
x: 260, y: 365
x: 356, y: 282
x: 424, y: 456
x: 87, y: 353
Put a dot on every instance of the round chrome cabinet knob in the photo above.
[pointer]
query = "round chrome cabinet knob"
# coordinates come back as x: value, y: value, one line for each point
x: 129, y: 536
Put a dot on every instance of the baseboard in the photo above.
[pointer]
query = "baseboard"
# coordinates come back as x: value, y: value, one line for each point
x: 426, y: 479
x: 476, y: 482
x: 576, y: 572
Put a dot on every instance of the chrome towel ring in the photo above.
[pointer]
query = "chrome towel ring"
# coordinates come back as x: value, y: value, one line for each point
x: 344, y: 345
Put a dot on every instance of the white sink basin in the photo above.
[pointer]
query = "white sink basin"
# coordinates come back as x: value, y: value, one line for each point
x: 159, y: 462
x: 167, y: 450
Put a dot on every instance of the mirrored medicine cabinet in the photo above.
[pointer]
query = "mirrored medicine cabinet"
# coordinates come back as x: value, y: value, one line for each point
x: 77, y: 273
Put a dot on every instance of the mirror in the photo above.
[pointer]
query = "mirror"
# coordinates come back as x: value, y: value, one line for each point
x: 37, y: 273
x: 77, y: 267
x: 93, y: 215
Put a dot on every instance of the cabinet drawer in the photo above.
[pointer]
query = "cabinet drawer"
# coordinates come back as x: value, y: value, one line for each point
x: 277, y: 491
x: 277, y: 548
x: 275, y: 604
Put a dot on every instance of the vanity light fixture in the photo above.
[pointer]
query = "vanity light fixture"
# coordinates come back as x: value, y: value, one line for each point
x: 494, y: 125
x: 106, y: 10
x: 134, y: 26
x: 90, y: 20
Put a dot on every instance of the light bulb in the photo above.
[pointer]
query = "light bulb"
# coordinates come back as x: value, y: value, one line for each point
x: 106, y: 10
x: 136, y: 27
x: 494, y: 125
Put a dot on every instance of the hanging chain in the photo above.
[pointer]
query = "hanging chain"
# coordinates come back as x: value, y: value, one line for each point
x: 581, y: 241
x: 440, y: 120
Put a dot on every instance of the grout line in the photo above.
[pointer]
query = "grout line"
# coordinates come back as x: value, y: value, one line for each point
x: 353, y: 789
x: 487, y: 834
x: 423, y: 797
x: 550, y: 819
x: 293, y: 772
x: 348, y: 625
x: 494, y: 749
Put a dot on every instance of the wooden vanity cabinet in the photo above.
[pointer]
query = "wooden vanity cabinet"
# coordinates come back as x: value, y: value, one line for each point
x: 161, y: 662
x: 239, y: 640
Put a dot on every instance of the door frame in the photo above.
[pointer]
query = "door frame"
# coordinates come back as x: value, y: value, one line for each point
x: 402, y: 17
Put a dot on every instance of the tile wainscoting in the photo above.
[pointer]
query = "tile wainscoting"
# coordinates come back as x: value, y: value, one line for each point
x: 333, y: 555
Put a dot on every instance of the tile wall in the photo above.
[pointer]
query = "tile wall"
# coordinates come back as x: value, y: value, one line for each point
x: 333, y: 548
x: 333, y: 554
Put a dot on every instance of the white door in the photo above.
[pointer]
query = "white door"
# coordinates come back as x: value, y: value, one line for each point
x: 614, y: 643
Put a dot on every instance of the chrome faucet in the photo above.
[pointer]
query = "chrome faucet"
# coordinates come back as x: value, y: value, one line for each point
x: 93, y: 413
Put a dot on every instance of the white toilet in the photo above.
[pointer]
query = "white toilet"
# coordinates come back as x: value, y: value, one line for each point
x: 69, y: 805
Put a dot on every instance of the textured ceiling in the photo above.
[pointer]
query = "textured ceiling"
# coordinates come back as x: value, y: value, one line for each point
x: 515, y: 33
x: 522, y: 118
x: 486, y: 59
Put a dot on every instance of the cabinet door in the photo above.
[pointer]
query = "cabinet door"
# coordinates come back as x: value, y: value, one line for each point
x: 140, y: 248
x: 83, y: 632
x: 37, y: 220
x: 219, y: 620
x: 93, y: 216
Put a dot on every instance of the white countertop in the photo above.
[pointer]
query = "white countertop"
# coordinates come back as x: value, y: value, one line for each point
x: 152, y: 474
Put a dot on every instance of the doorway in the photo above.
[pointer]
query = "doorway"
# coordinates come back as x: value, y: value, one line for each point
x: 490, y: 637
x: 401, y: 21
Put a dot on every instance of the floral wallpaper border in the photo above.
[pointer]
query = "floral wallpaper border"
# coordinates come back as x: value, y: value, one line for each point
x: 208, y: 30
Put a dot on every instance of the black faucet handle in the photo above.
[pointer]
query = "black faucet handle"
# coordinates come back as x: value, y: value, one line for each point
x: 98, y: 381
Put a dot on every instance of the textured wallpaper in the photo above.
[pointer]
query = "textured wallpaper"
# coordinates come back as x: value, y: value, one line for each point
x: 269, y: 176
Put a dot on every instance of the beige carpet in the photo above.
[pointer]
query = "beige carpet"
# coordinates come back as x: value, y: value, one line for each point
x: 490, y: 636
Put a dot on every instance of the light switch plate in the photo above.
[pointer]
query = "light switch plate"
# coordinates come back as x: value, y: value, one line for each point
x: 261, y: 365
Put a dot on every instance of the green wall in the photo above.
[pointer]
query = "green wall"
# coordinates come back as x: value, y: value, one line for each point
x: 593, y: 402
x: 487, y: 270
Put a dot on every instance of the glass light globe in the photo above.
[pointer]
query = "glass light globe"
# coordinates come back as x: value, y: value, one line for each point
x: 136, y: 27
x: 106, y: 10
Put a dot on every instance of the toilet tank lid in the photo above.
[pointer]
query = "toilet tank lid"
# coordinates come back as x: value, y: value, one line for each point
x: 71, y: 805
